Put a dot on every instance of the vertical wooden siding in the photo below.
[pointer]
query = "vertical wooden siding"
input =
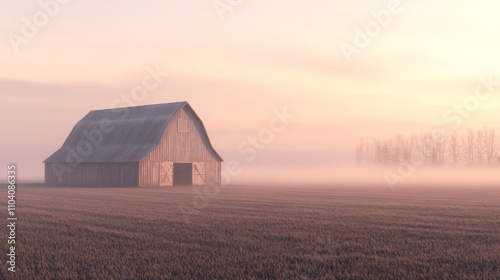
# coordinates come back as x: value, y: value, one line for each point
x: 93, y: 174
x: 181, y: 147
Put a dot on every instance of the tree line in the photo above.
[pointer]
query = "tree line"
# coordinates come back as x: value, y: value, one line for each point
x: 472, y: 147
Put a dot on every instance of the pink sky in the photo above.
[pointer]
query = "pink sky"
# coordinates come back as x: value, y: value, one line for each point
x: 234, y: 72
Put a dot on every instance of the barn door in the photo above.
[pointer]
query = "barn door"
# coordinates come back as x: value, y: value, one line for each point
x: 199, y: 173
x: 166, y: 174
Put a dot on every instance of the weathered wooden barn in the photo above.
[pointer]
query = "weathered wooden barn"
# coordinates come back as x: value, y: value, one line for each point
x: 154, y: 145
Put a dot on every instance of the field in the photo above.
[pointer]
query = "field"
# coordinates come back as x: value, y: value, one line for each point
x: 246, y: 232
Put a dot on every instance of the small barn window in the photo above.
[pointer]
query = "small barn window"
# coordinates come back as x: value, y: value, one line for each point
x: 183, y: 125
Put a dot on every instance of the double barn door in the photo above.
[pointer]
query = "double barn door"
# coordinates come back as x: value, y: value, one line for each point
x: 166, y: 174
x: 171, y: 173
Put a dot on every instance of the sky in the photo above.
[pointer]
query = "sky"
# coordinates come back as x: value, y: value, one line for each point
x: 344, y: 70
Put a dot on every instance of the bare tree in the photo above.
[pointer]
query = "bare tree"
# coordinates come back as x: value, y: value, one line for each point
x: 386, y: 152
x: 368, y: 153
x: 468, y: 149
x: 425, y: 148
x: 389, y: 157
x: 454, y: 149
x: 409, y: 148
x: 377, y: 152
x: 399, y: 146
x: 439, y: 141
x: 490, y: 144
x: 360, y: 156
x: 479, y: 148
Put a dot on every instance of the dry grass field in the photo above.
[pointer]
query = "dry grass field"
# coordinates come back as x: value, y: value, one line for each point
x: 257, y: 233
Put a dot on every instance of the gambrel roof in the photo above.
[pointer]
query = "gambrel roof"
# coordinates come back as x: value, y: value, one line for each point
x: 128, y: 134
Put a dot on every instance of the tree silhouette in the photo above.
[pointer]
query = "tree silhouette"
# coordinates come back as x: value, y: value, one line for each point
x: 473, y: 147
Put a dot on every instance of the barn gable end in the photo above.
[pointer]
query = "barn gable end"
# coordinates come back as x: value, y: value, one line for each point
x: 184, y: 141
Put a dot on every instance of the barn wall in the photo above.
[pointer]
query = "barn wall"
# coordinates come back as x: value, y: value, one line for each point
x: 149, y: 174
x: 93, y: 174
x: 213, y: 173
x: 180, y: 147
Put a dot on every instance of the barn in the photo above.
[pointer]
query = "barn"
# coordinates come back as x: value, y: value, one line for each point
x: 153, y: 145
